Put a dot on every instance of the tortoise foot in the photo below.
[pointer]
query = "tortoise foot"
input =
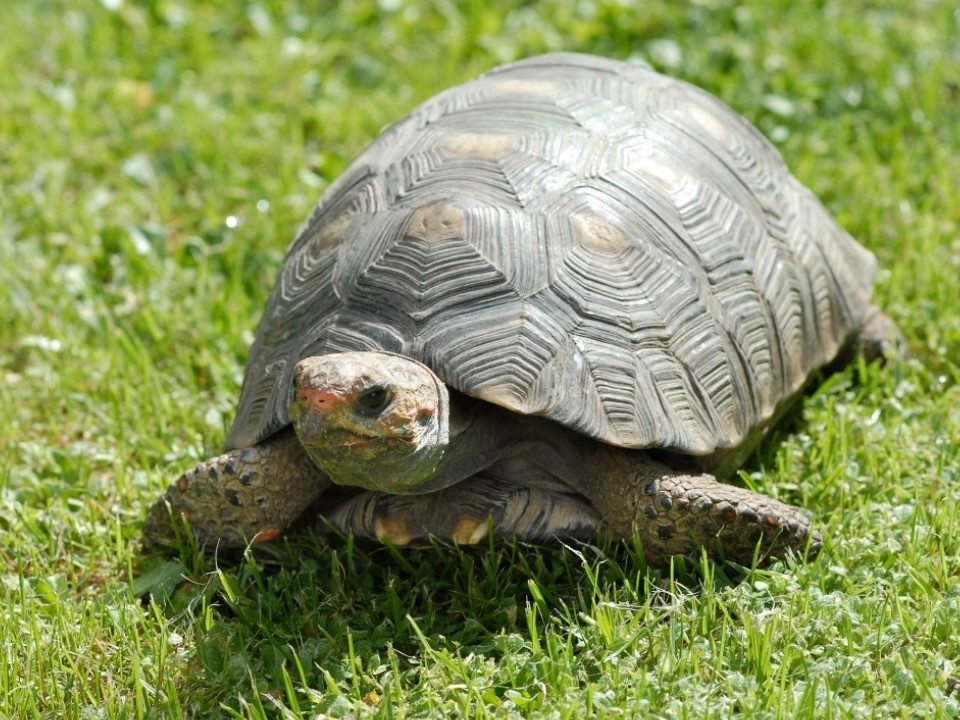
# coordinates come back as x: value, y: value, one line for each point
x: 677, y: 513
x: 879, y: 338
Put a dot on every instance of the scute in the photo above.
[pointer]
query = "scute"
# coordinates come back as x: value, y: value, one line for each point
x: 577, y: 238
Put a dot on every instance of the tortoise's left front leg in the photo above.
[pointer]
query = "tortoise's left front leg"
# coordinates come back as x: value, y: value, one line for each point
x: 677, y: 513
x: 247, y: 495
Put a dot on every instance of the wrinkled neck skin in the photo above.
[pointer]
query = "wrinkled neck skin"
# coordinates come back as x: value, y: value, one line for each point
x: 483, y: 436
x: 479, y: 435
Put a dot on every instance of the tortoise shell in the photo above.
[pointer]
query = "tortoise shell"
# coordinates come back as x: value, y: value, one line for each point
x: 577, y: 238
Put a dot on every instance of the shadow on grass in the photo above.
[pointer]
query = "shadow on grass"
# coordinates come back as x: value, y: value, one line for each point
x: 325, y: 604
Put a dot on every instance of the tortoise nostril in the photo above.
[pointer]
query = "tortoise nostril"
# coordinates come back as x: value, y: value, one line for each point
x: 318, y: 399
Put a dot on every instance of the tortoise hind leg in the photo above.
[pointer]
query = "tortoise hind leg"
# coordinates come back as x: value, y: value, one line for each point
x: 879, y: 337
x: 466, y: 513
x: 878, y: 340
x: 676, y: 513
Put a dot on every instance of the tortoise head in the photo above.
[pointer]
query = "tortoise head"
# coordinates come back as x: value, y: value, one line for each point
x: 373, y: 420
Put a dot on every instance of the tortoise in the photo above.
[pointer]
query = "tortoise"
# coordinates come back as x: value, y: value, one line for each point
x: 565, y: 298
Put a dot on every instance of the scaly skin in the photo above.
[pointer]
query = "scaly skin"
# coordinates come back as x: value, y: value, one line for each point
x: 242, y: 496
x: 676, y: 513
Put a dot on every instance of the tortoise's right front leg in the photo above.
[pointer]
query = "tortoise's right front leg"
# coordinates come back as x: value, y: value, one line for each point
x: 247, y: 495
x: 677, y: 513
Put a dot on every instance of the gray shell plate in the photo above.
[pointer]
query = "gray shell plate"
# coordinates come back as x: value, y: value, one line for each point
x: 577, y: 238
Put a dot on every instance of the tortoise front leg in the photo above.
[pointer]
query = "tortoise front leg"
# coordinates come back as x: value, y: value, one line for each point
x: 247, y: 495
x: 676, y: 513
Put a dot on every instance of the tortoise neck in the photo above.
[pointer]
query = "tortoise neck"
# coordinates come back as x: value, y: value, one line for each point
x: 479, y: 434
x: 482, y: 434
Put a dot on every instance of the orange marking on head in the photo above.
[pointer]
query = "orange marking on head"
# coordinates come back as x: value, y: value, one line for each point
x: 320, y: 399
x: 265, y: 535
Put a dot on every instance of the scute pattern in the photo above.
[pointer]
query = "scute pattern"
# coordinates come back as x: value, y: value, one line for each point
x: 577, y: 238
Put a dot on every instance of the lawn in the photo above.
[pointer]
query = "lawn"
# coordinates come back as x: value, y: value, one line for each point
x: 156, y: 158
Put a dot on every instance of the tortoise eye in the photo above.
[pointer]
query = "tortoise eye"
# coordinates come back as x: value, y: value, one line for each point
x: 373, y: 401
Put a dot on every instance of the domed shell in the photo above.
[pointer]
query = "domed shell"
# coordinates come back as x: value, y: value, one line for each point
x: 578, y: 238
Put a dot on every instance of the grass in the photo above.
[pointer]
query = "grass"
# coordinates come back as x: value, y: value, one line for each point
x: 156, y: 158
